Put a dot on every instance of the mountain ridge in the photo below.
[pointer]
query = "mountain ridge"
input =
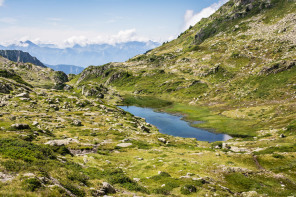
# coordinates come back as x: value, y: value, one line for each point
x: 20, y: 56
x: 78, y: 55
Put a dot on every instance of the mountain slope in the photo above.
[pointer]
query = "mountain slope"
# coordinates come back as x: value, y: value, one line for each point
x: 36, y: 76
x: 20, y: 56
x: 233, y: 55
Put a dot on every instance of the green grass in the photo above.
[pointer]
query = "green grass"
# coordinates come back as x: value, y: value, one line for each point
x: 145, y: 101
x: 13, y: 76
x: 221, y: 124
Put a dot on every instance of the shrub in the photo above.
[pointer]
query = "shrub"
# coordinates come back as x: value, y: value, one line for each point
x: 27, y: 151
x: 188, y: 189
x: 32, y: 184
x: 278, y: 156
x: 73, y: 189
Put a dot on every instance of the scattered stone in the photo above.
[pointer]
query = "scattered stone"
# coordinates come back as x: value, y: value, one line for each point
x: 62, y: 142
x: 54, y: 107
x: 187, y: 189
x: 282, y: 136
x: 24, y: 95
x: 162, y: 140
x: 145, y: 129
x: 29, y: 174
x: 25, y: 99
x: 20, y: 126
x: 106, y: 189
x: 35, y: 123
x: 124, y: 145
x: 5, y: 177
x: 249, y: 194
x: 77, y: 122
x: 5, y: 88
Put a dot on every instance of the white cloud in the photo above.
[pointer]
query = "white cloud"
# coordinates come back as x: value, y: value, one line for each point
x: 66, y: 38
x: 8, y: 20
x: 121, y: 36
x: 191, y: 19
x: 1, y: 2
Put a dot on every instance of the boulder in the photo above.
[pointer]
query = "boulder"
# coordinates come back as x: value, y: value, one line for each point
x: 162, y: 140
x: 23, y: 95
x: 124, y: 145
x: 106, y: 189
x: 282, y: 136
x: 62, y: 142
x: 35, y: 123
x: 5, y: 177
x: 20, y: 126
x: 109, y: 189
x: 5, y: 88
x: 77, y: 122
x: 145, y: 129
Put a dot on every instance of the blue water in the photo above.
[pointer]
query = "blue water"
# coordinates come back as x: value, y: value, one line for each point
x: 174, y: 125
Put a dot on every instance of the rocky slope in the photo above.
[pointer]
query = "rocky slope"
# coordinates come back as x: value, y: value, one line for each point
x: 34, y: 75
x: 20, y: 56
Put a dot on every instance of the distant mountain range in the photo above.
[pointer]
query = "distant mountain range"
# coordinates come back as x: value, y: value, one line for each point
x: 91, y: 54
x: 68, y: 69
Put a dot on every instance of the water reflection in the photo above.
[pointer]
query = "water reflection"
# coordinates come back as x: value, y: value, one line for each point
x: 174, y: 125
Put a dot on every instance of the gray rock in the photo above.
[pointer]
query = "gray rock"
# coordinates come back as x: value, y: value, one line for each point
x: 5, y: 88
x: 5, y: 177
x: 106, y: 189
x: 109, y: 189
x: 35, y: 123
x: 77, y: 122
x: 62, y: 142
x: 124, y: 145
x: 145, y: 129
x: 24, y: 95
x: 55, y: 107
x: 282, y: 136
x: 162, y: 140
x: 20, y: 126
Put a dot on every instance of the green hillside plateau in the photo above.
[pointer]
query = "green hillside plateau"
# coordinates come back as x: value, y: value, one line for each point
x: 234, y: 72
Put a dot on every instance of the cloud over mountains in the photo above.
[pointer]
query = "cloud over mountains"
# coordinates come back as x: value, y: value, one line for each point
x: 191, y: 18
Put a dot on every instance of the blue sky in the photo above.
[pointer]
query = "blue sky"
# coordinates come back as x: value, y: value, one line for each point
x: 66, y: 22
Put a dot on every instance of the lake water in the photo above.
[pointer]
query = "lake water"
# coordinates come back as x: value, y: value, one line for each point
x: 174, y: 125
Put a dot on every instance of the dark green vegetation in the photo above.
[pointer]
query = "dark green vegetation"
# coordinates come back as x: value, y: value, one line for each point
x: 146, y: 101
x: 234, y: 71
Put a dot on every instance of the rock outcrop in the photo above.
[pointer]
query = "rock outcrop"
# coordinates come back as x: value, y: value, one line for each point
x: 20, y: 56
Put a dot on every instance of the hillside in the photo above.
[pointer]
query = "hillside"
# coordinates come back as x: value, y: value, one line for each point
x: 34, y: 75
x: 20, y: 56
x: 233, y: 72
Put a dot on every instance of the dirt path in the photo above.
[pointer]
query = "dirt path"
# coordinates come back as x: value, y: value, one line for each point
x: 257, y: 163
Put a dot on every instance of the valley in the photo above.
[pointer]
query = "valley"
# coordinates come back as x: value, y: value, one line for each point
x: 233, y: 73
